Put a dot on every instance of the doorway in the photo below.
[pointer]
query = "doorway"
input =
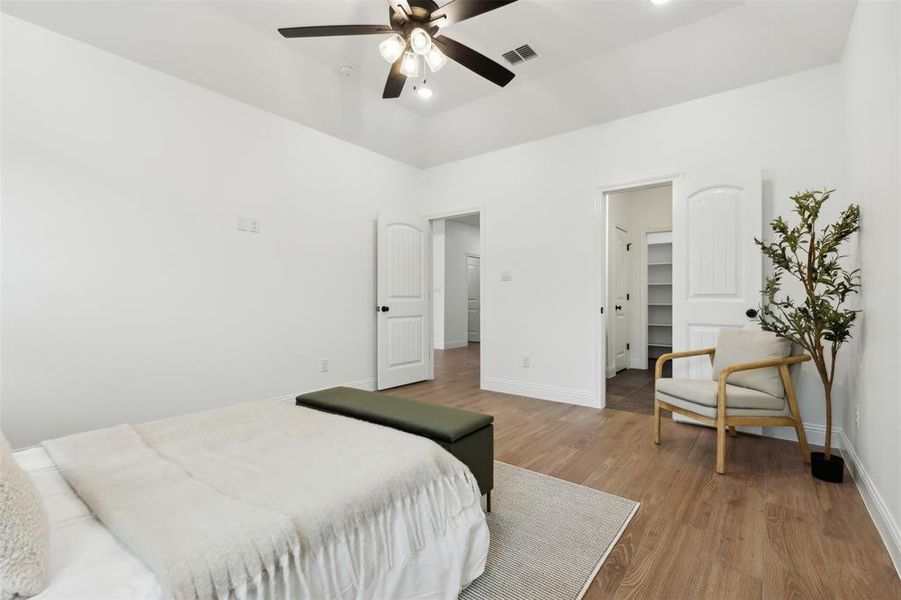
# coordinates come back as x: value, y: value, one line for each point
x: 639, y: 293
x: 457, y: 298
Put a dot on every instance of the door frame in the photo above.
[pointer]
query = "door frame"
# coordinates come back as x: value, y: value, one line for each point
x: 483, y: 213
x: 599, y: 227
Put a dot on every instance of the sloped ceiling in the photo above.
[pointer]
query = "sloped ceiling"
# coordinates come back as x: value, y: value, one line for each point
x: 597, y: 61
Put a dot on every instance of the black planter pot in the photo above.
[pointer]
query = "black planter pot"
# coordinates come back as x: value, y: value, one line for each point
x: 832, y: 470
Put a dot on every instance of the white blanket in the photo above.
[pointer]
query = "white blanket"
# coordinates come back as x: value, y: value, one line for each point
x: 225, y: 499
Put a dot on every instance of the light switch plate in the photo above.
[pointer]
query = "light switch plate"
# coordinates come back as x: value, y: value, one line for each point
x: 507, y: 275
x: 253, y: 225
x: 243, y: 224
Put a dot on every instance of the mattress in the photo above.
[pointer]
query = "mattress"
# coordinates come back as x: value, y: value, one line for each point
x: 87, y: 561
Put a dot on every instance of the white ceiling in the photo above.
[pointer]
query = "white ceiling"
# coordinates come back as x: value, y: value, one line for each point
x: 598, y: 61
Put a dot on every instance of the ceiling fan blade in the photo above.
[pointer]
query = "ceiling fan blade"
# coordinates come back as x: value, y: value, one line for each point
x: 396, y: 80
x: 401, y: 6
x: 474, y: 61
x: 330, y: 30
x: 460, y: 10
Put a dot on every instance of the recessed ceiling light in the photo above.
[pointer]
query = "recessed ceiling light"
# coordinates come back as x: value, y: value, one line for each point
x: 424, y: 92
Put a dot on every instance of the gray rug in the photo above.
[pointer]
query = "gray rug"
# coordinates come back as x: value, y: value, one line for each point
x: 549, y: 537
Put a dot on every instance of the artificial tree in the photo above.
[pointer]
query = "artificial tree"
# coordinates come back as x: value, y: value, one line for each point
x: 819, y: 322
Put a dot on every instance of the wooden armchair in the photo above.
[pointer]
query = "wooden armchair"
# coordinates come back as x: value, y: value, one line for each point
x: 753, y: 397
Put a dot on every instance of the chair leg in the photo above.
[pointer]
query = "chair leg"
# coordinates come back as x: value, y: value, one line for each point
x: 488, y: 501
x: 656, y: 422
x: 802, y: 441
x: 732, y: 431
x: 720, y: 447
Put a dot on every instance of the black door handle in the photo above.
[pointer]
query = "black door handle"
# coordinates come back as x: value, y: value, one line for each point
x: 618, y: 307
x: 385, y: 309
x: 751, y: 313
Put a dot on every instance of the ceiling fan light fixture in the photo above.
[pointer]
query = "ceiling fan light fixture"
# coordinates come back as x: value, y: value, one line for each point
x: 409, y: 65
x: 420, y: 41
x: 435, y: 58
x: 392, y: 48
x: 424, y: 92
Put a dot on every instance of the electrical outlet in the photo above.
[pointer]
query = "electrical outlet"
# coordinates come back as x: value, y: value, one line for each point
x: 526, y: 362
x: 253, y: 225
x: 507, y: 275
x: 856, y: 416
x: 243, y: 224
x: 323, y: 365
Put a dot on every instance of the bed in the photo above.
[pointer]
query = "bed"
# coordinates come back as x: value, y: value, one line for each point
x: 88, y: 561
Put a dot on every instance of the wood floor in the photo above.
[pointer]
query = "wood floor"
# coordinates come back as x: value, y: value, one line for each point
x: 632, y: 390
x: 765, y: 529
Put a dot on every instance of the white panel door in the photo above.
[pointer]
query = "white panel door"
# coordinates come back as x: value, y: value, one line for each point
x: 473, y: 298
x: 717, y: 268
x: 621, y: 304
x: 404, y: 279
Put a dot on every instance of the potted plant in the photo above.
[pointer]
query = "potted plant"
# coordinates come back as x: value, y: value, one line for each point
x: 818, y: 320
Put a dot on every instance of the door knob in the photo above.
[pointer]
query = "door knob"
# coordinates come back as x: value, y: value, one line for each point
x: 385, y: 309
x: 618, y: 307
x: 751, y: 313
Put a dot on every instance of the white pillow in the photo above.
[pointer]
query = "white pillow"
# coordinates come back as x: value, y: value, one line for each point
x: 24, y: 534
x: 734, y: 346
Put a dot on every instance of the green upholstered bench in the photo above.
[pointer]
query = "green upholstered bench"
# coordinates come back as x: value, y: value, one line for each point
x: 466, y: 434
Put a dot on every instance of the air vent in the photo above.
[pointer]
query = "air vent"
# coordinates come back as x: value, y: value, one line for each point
x: 512, y: 57
x: 523, y: 53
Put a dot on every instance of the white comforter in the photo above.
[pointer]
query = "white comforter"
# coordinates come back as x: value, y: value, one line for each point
x: 88, y: 562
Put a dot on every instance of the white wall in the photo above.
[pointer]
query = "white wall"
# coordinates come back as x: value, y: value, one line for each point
x: 128, y: 294
x: 460, y: 239
x: 871, y: 71
x: 638, y: 211
x: 541, y: 199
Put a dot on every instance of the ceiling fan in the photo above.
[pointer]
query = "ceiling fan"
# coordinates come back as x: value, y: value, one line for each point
x: 414, y: 38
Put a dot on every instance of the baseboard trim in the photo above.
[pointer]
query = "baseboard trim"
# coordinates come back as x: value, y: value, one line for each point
x: 885, y: 524
x: 816, y: 434
x: 541, y: 392
x: 361, y: 384
x: 455, y: 344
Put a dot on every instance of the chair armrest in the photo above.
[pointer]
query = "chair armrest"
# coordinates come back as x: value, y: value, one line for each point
x: 763, y: 364
x: 658, y: 370
x: 760, y: 364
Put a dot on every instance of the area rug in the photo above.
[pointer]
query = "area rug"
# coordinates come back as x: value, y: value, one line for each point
x: 549, y: 537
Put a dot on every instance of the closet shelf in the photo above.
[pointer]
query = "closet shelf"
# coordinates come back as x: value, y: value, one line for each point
x: 661, y: 283
x: 660, y: 324
x: 660, y: 345
x: 660, y: 264
x: 659, y: 304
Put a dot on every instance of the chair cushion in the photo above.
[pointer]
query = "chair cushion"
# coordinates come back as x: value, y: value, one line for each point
x: 735, y: 346
x: 710, y: 411
x: 433, y: 421
x: 703, y: 392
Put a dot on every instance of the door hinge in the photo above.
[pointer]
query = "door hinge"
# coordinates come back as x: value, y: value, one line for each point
x: 627, y: 296
x: 602, y: 310
x: 628, y: 246
x: 627, y: 345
